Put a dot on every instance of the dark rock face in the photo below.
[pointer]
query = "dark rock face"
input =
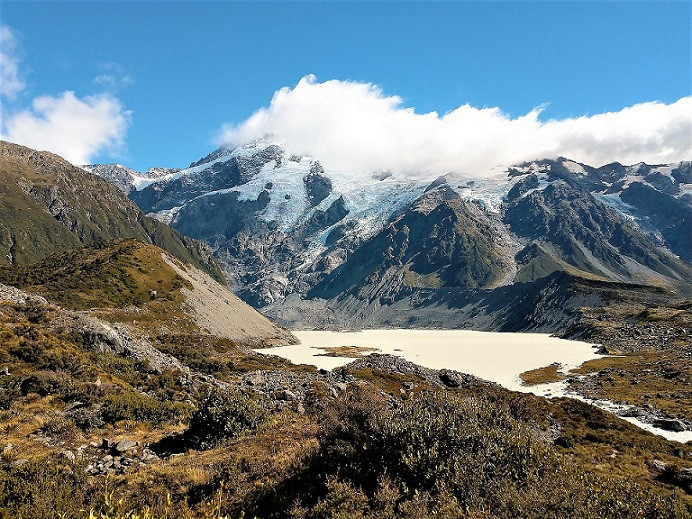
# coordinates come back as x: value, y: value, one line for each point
x: 334, y: 213
x: 683, y: 173
x: 588, y: 235
x: 672, y: 217
x: 174, y: 193
x: 214, y: 155
x: 218, y: 216
x: 317, y: 185
x: 442, y: 242
x: 656, y: 201
x: 223, y: 174
x: 523, y: 186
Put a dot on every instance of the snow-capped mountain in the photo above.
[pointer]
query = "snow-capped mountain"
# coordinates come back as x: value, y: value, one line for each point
x: 128, y: 179
x: 281, y: 224
x: 657, y: 199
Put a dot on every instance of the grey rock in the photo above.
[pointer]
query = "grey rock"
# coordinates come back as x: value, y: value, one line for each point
x: 669, y: 424
x: 125, y: 445
x: 99, y: 336
x: 69, y: 455
x: 256, y: 379
x: 634, y: 412
x: 317, y: 185
x: 658, y: 465
x: 286, y: 394
x: 451, y: 378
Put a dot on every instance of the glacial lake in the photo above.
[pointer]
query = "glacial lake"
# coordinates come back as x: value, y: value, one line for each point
x: 498, y: 357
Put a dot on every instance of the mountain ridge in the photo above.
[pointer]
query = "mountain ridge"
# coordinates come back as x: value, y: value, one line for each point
x: 49, y: 205
x: 282, y: 224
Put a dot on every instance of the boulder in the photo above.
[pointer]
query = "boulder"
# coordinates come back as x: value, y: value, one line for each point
x: 255, y: 379
x: 451, y: 378
x: 669, y: 424
x: 124, y: 445
x: 658, y: 465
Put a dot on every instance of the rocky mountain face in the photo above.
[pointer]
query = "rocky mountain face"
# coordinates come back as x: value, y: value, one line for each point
x: 657, y: 199
x: 47, y: 205
x: 313, y: 246
x: 127, y: 179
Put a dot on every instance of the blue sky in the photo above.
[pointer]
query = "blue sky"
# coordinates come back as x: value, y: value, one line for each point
x: 179, y: 71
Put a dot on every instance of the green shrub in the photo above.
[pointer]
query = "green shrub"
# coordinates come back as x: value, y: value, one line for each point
x: 141, y: 408
x: 431, y: 442
x: 41, y: 489
x: 446, y: 456
x: 44, y: 383
x: 58, y: 426
x: 223, y: 414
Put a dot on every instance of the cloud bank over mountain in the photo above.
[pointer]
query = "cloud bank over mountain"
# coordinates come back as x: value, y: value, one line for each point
x: 355, y: 126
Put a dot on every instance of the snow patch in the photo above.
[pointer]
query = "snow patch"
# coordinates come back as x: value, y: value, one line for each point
x: 574, y: 167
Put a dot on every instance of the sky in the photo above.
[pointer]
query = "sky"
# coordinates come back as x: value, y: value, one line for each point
x: 371, y: 85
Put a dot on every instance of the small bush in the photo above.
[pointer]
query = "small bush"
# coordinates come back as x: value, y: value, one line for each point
x: 141, y: 408
x: 44, y: 383
x: 222, y: 415
x: 60, y: 427
x: 43, y: 489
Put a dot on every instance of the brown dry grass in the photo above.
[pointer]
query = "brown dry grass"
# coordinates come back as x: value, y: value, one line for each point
x: 544, y: 375
x: 352, y: 352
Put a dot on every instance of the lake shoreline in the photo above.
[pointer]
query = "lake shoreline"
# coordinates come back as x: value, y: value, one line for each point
x: 499, y: 357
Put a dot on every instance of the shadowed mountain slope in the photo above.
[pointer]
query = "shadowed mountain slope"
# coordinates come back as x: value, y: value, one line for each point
x: 48, y: 205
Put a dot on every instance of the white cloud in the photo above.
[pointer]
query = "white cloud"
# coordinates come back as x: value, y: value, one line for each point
x: 114, y: 77
x: 75, y: 128
x: 354, y: 126
x: 10, y: 82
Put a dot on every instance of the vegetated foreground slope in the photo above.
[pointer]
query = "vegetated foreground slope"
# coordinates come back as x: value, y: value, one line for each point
x: 48, y: 205
x: 88, y: 423
x: 127, y: 389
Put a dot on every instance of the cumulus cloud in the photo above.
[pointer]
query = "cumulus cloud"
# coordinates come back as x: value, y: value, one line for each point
x: 73, y: 127
x: 10, y: 82
x: 355, y: 126
x: 77, y: 128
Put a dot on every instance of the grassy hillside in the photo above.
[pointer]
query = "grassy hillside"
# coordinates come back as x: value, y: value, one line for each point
x: 138, y: 284
x: 107, y: 275
x: 47, y: 205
